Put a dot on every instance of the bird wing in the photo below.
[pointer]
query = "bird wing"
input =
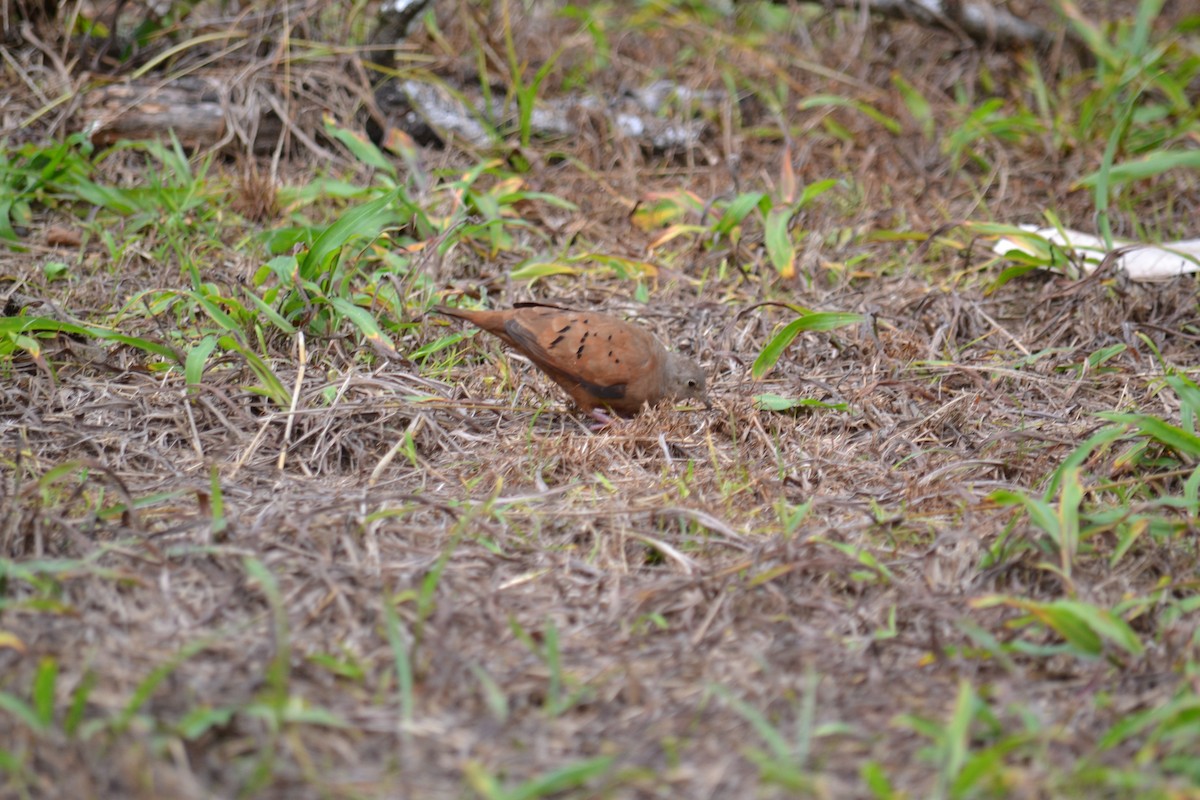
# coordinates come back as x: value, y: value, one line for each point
x: 597, y: 353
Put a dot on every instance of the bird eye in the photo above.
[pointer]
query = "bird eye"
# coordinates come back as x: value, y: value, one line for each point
x: 691, y: 383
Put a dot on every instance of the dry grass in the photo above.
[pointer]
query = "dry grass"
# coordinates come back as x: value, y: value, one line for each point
x: 648, y: 592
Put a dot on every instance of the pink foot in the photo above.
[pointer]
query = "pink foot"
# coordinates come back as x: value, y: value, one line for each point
x: 604, y: 419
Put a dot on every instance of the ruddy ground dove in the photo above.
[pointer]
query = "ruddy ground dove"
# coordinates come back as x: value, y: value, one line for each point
x: 599, y: 360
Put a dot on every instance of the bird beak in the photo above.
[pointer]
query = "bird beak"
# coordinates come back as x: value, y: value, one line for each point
x: 707, y: 403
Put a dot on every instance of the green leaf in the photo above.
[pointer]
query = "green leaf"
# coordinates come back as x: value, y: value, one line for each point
x: 1098, y: 358
x: 270, y: 313
x: 1069, y: 625
x: 399, y: 641
x: 737, y: 211
x: 218, y: 314
x: 957, y: 735
x: 1085, y: 627
x: 493, y: 695
x: 79, y: 702
x: 45, y: 682
x: 918, y: 107
x: 533, y: 270
x: 774, y: 402
x: 815, y: 190
x: 1146, y: 167
x: 1040, y: 511
x: 365, y: 323
x: 366, y: 220
x: 197, y: 357
x: 439, y: 344
x: 779, y: 242
x: 876, y: 780
x: 297, y: 711
x: 199, y: 721
x: 53, y: 270
x: 361, y: 148
x: 1068, y: 518
x: 1176, y: 438
x: 21, y: 710
x: 27, y: 324
x: 271, y: 386
x: 815, y: 321
x: 1107, y: 624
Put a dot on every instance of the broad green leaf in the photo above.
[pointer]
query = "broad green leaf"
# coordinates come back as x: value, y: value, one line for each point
x: 1105, y: 623
x: 218, y: 314
x: 363, y: 320
x: 1068, y: 518
x: 197, y: 357
x: 957, y: 736
x: 918, y: 107
x: 79, y: 699
x: 268, y: 311
x: 1146, y: 167
x: 45, y: 682
x: 297, y: 711
x: 1068, y: 625
x: 360, y: 147
x: 1040, y: 511
x: 22, y: 324
x: 775, y: 402
x: 199, y: 721
x: 401, y: 643
x: 779, y: 242
x: 737, y: 211
x: 815, y: 190
x: 1176, y: 438
x: 21, y: 710
x: 1098, y: 358
x: 271, y: 386
x: 1189, y: 395
x: 533, y: 270
x: 366, y: 220
x: 625, y: 268
x: 439, y: 344
x: 815, y: 321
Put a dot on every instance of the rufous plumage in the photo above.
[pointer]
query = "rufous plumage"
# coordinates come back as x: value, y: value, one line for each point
x: 601, y: 361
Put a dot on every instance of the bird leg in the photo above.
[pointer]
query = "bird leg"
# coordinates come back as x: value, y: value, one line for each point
x: 604, y: 419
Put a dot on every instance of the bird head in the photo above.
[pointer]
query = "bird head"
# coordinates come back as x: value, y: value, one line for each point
x: 684, y: 379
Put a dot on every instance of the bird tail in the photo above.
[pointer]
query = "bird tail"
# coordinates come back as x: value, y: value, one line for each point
x: 490, y: 321
x: 447, y: 311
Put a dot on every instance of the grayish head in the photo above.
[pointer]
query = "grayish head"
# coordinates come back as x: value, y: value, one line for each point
x: 683, y: 379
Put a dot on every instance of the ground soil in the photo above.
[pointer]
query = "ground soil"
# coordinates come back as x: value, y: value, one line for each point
x: 651, y: 559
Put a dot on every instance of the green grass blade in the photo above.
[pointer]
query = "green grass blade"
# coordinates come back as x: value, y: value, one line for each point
x: 563, y: 779
x: 815, y: 321
x: 366, y: 220
x: 366, y: 324
x: 197, y: 357
x: 402, y: 656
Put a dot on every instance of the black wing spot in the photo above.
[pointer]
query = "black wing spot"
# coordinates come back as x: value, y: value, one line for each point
x: 556, y: 341
x: 579, y: 352
x: 610, y: 353
x: 564, y: 329
x: 613, y: 392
